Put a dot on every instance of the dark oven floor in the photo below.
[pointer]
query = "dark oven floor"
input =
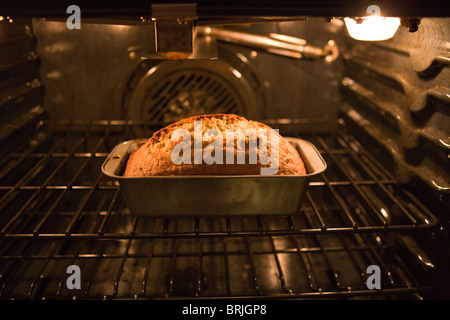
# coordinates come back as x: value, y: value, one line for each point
x: 58, y: 209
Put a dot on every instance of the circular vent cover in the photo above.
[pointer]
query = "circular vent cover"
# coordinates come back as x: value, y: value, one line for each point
x: 190, y: 92
x: 172, y: 90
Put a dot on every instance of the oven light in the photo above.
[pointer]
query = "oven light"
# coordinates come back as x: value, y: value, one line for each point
x: 372, y: 28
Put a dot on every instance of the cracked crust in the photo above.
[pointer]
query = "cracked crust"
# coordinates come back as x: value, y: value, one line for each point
x: 153, y: 158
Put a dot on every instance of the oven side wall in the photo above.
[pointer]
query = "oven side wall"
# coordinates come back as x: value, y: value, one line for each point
x: 396, y: 98
x: 21, y: 91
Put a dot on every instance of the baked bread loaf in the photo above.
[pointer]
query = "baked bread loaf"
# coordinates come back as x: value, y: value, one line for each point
x: 157, y: 157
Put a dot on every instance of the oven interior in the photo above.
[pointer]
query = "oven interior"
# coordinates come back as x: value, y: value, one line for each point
x: 379, y: 115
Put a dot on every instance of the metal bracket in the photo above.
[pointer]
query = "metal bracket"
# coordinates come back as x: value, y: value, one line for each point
x: 174, y: 29
x: 284, y: 45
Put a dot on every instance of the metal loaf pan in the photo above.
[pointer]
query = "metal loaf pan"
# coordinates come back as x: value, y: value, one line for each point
x: 212, y: 196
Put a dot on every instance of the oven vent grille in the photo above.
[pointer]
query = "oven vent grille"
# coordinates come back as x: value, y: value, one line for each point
x: 191, y: 92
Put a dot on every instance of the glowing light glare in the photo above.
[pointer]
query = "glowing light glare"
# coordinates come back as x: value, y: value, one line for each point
x: 237, y: 73
x: 372, y: 28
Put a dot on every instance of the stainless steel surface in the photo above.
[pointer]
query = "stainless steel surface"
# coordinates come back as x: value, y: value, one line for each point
x: 396, y: 94
x: 21, y: 91
x: 274, y: 43
x: 99, y: 55
x: 213, y: 196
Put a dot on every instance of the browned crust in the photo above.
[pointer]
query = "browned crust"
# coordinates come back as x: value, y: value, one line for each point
x: 154, y: 157
x: 230, y: 117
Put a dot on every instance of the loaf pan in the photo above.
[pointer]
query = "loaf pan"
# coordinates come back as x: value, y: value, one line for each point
x: 212, y: 196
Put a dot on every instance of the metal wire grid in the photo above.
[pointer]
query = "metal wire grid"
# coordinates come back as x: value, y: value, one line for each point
x: 53, y: 191
x: 292, y: 267
x: 189, y: 92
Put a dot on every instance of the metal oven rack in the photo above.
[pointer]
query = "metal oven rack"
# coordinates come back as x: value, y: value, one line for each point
x: 57, y: 209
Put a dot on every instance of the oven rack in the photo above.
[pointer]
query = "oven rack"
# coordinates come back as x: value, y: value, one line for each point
x: 361, y: 195
x: 241, y: 268
x: 52, y: 190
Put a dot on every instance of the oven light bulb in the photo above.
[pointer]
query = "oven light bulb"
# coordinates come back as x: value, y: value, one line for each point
x: 372, y: 28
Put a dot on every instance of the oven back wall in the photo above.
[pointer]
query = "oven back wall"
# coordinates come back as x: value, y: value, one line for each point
x: 86, y: 72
